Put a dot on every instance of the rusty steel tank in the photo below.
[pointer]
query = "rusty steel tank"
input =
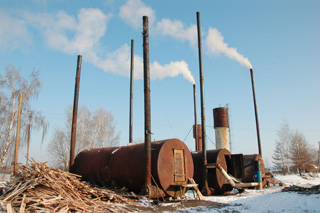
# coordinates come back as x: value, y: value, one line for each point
x: 249, y: 168
x: 171, y: 166
x: 216, y: 181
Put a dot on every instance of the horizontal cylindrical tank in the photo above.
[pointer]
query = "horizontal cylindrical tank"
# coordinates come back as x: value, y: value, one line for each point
x: 249, y: 162
x: 216, y: 181
x: 171, y: 166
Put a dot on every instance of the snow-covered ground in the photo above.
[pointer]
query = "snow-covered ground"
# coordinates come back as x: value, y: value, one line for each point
x: 268, y: 200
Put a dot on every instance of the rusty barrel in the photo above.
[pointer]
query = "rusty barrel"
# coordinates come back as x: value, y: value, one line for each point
x: 216, y: 181
x: 171, y: 166
x: 249, y: 167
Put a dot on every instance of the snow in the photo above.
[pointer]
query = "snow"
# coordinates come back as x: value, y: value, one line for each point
x: 268, y: 200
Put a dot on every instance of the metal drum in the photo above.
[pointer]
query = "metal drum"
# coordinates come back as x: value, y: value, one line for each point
x: 171, y: 166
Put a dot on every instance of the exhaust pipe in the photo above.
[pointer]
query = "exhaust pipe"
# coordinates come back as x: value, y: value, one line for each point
x: 75, y: 112
x: 147, y: 109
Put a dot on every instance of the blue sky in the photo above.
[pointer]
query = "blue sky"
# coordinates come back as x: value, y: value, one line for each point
x: 279, y: 38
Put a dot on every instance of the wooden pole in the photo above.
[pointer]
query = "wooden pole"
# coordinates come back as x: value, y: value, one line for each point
x: 17, y: 136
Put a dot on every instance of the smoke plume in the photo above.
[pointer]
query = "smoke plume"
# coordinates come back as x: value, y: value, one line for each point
x: 216, y: 45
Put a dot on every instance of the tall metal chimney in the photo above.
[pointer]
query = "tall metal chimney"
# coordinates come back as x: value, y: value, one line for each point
x: 203, y: 123
x: 256, y: 112
x: 221, y: 126
x: 195, y: 126
x: 147, y: 108
x: 131, y: 93
x: 75, y: 112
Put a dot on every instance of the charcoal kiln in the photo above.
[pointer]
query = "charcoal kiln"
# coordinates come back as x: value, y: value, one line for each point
x: 249, y: 168
x: 171, y: 167
x: 217, y: 183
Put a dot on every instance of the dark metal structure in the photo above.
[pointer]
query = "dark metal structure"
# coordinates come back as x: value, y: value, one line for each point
x: 249, y: 167
x: 217, y: 183
x: 147, y: 108
x: 131, y: 91
x: 75, y: 111
x: 203, y: 119
x: 171, y: 167
x: 256, y: 112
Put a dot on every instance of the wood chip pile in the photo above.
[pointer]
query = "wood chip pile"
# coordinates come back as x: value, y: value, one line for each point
x: 40, y: 188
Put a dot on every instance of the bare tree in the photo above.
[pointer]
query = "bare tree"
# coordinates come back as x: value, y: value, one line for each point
x: 300, y: 154
x: 93, y: 131
x: 281, y: 155
x: 12, y: 84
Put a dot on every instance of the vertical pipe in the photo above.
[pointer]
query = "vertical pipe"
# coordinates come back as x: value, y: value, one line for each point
x: 131, y: 92
x: 17, y: 136
x: 29, y: 130
x: 204, y: 157
x: 195, y: 117
x: 147, y: 110
x: 75, y: 112
x: 256, y: 112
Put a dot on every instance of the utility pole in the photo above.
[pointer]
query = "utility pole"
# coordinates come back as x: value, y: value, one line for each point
x: 17, y: 136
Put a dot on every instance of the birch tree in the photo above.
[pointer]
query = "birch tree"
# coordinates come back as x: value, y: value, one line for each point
x: 94, y: 130
x: 12, y: 84
x: 281, y: 155
x: 300, y: 155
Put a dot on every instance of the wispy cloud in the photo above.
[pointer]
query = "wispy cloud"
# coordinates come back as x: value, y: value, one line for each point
x: 13, y: 32
x: 70, y: 35
x: 176, y: 29
x: 133, y: 11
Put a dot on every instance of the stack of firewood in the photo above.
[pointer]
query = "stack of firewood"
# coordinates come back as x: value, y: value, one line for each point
x: 39, y: 188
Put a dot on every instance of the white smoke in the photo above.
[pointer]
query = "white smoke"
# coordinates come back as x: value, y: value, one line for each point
x: 216, y: 45
x: 118, y: 62
x: 82, y: 35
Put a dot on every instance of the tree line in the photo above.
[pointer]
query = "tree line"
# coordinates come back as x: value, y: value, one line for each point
x: 94, y: 130
x: 292, y: 152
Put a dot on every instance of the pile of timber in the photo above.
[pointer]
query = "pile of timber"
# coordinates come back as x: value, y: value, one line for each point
x: 303, y: 189
x: 39, y: 188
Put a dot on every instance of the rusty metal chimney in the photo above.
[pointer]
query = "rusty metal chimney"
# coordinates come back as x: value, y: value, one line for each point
x: 256, y: 112
x: 147, y: 108
x: 75, y: 112
x: 203, y: 123
x: 221, y: 126
x: 197, y: 135
x: 196, y: 132
x: 131, y: 93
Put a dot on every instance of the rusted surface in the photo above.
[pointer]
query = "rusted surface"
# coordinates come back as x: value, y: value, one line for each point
x: 147, y: 108
x: 131, y: 91
x: 256, y: 112
x: 216, y: 180
x: 198, y: 133
x: 203, y: 119
x: 220, y: 117
x: 75, y: 111
x: 249, y: 167
x: 124, y: 166
x: 195, y: 133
